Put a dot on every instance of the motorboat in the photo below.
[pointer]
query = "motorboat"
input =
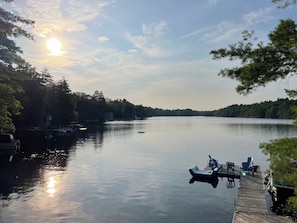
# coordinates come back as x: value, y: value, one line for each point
x: 8, y: 145
x: 203, y: 174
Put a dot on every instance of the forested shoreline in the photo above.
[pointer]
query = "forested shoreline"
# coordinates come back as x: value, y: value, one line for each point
x: 279, y: 109
x: 50, y: 104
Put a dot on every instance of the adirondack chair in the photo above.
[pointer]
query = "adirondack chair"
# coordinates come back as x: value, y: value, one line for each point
x: 249, y: 165
x: 213, y: 163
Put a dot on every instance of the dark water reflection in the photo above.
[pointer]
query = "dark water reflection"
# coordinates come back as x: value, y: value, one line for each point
x: 213, y: 182
x: 20, y: 175
x: 134, y: 171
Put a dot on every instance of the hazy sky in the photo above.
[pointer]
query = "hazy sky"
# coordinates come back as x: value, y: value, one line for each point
x: 150, y: 52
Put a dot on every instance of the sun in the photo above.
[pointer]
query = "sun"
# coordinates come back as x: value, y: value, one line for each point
x: 54, y: 46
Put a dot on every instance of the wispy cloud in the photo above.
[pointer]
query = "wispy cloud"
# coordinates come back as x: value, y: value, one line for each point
x: 212, y: 2
x: 57, y: 15
x: 147, y: 41
x: 226, y: 29
x: 103, y: 39
x: 216, y: 33
x: 258, y: 16
x: 155, y: 30
x: 145, y: 45
x: 222, y: 32
x: 197, y: 32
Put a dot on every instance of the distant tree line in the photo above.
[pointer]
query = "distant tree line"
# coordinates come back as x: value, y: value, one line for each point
x: 280, y: 109
x: 175, y: 112
x: 47, y: 103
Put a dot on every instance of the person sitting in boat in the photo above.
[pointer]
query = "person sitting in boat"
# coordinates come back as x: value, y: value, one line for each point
x: 213, y: 163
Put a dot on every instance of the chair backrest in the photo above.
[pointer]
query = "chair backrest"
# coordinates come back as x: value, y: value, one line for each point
x: 250, y: 161
x: 213, y: 162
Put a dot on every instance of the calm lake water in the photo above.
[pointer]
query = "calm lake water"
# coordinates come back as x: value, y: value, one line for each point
x: 132, y: 171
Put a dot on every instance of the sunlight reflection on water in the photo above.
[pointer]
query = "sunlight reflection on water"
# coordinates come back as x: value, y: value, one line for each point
x: 51, y: 186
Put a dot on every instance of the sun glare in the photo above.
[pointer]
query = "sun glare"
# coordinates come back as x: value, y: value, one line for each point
x: 54, y: 46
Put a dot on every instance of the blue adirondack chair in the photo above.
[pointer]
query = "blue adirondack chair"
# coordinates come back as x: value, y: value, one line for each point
x: 249, y: 165
x: 213, y: 163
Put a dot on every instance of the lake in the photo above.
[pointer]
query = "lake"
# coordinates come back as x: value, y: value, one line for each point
x: 132, y: 171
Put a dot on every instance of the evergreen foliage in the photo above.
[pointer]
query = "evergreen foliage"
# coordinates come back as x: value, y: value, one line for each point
x: 285, y: 3
x: 261, y: 64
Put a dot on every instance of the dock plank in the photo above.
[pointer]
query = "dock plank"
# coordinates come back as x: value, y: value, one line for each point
x: 243, y: 217
x: 250, y: 205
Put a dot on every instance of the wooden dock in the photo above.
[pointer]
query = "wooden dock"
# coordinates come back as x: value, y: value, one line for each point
x: 233, y: 172
x: 251, y: 205
x: 224, y: 171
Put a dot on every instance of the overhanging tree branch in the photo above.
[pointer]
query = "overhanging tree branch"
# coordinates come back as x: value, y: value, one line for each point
x: 261, y: 64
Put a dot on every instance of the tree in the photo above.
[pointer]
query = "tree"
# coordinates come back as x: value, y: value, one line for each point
x: 34, y: 100
x: 44, y: 78
x: 282, y: 156
x: 286, y: 3
x: 98, y: 96
x: 264, y: 63
x: 61, y: 104
x: 12, y: 66
x: 8, y: 104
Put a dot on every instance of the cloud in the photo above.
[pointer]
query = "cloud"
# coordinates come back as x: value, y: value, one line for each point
x: 227, y: 29
x: 103, y: 39
x: 57, y: 15
x: 258, y: 16
x: 217, y: 33
x: 213, y: 2
x: 155, y: 30
x: 132, y: 51
x: 197, y: 32
x: 147, y: 43
x: 224, y: 31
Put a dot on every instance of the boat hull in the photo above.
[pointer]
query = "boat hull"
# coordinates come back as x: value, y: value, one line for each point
x: 203, y: 174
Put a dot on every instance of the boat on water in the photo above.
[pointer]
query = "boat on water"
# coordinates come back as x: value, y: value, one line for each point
x: 203, y: 174
x: 8, y: 145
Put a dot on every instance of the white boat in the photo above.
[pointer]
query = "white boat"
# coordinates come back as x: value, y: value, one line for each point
x: 8, y: 145
x: 203, y: 174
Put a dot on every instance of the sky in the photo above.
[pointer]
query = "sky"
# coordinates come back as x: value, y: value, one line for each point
x: 151, y: 53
